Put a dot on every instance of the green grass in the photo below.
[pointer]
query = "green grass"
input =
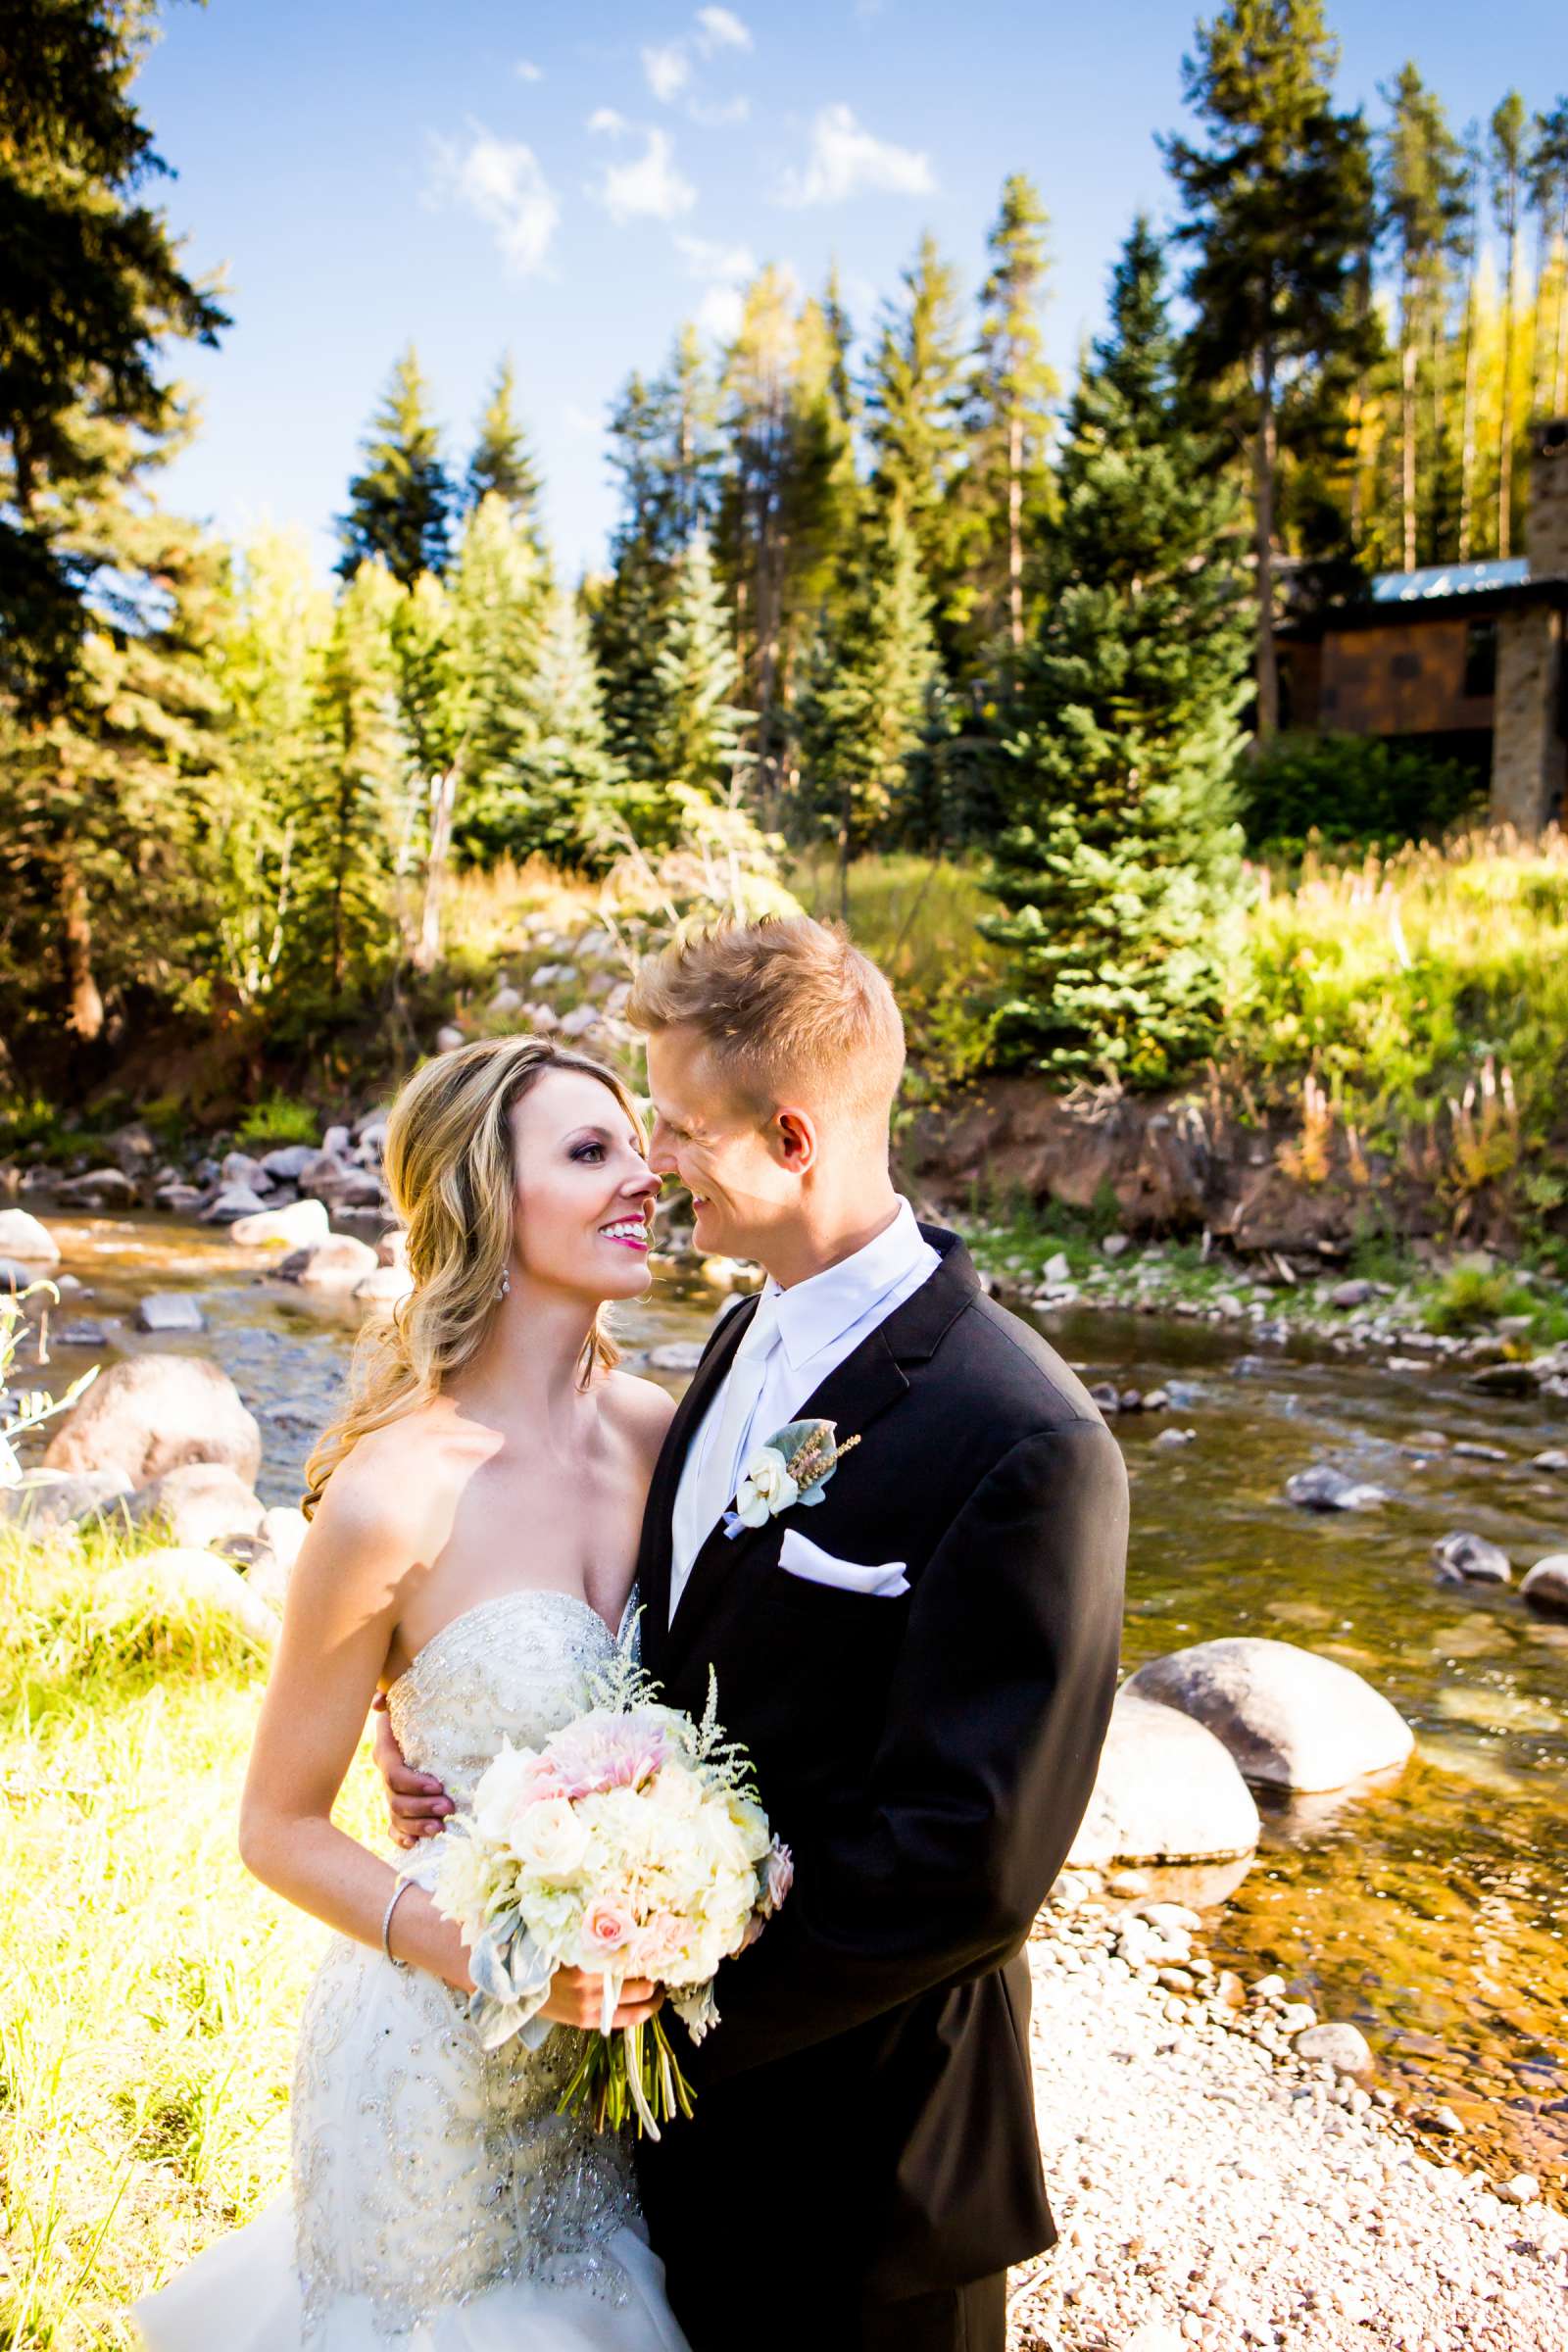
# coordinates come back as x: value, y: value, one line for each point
x: 149, y: 1988
x: 915, y: 918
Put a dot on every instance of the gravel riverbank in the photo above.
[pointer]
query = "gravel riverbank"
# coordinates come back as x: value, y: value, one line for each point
x: 1217, y: 2192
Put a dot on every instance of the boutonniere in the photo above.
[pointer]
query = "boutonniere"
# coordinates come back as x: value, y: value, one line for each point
x: 793, y: 1467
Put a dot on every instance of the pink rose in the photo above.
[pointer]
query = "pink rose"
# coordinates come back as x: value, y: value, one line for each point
x: 605, y: 1929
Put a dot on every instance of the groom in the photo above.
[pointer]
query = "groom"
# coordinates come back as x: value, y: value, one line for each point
x: 922, y: 1668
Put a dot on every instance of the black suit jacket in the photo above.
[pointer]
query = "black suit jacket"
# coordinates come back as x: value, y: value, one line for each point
x: 865, y: 2126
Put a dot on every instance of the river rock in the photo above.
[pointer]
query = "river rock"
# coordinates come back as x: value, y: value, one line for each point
x: 339, y: 1263
x: 291, y: 1228
x: 1465, y: 1560
x: 21, y: 1237
x: 324, y: 1172
x: 1546, y: 1588
x: 1176, y: 1437
x: 280, y: 1537
x: 504, y: 1005
x: 15, y: 1278
x: 242, y: 1167
x: 449, y: 1039
x: 178, y: 1199
x: 579, y: 1020
x: 169, y: 1311
x: 392, y: 1246
x: 1355, y: 1292
x: 192, y: 1576
x: 675, y: 1356
x: 1165, y: 1791
x: 284, y: 1165
x: 1343, y: 2048
x: 370, y: 1135
x: 1289, y: 1718
x: 1477, y: 1449
x: 231, y: 1202
x: 383, y: 1287
x: 45, y: 1499
x: 1554, y: 1458
x: 100, y: 1188
x: 1324, y: 1489
x: 201, y: 1502
x: 1505, y: 1379
x: 152, y: 1412
x: 543, y: 1020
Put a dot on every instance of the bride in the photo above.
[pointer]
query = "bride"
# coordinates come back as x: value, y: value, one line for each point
x: 474, y: 1522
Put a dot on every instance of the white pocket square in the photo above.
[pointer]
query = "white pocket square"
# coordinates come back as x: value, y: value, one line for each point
x: 798, y: 1556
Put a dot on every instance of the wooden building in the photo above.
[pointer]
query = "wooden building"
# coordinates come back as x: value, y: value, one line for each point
x: 1467, y: 658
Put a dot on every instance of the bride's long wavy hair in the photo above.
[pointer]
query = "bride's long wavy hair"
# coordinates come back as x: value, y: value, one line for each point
x: 451, y: 1167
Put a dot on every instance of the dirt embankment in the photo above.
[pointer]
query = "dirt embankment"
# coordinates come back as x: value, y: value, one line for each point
x: 1174, y: 1165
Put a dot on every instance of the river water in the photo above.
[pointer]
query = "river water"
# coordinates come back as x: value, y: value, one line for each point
x: 1431, y: 1913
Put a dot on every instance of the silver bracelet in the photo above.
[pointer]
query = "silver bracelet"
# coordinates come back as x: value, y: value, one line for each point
x: 398, y: 1892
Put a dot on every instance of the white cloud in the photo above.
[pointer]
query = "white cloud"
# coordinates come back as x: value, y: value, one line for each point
x: 606, y: 119
x: 500, y: 182
x: 580, y: 420
x: 652, y: 187
x: 721, y: 312
x: 705, y: 256
x: 845, y: 159
x: 720, y: 28
x: 527, y: 70
x: 668, y: 70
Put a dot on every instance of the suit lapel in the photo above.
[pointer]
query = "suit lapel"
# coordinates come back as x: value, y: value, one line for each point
x: 854, y: 1396
x: 658, y: 1530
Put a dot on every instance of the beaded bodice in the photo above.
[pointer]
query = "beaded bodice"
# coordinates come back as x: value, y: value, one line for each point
x: 515, y: 1667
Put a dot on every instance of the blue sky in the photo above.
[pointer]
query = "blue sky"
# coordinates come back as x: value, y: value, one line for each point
x: 571, y: 183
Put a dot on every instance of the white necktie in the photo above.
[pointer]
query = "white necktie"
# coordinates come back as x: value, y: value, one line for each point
x: 743, y: 1390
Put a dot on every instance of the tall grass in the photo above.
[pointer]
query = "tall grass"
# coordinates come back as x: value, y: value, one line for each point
x: 149, y: 1988
x: 1395, y: 978
x: 915, y: 918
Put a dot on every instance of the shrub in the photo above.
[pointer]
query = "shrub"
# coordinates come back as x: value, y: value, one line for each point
x: 1349, y: 789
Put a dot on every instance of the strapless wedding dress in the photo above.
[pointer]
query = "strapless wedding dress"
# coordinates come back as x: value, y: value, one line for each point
x: 439, y: 2202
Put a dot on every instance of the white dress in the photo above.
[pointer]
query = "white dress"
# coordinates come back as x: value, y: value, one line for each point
x: 439, y: 2202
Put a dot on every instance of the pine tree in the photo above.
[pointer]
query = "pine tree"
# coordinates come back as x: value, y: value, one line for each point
x: 349, y: 815
x: 871, y: 674
x: 1120, y: 863
x: 1279, y: 211
x: 502, y: 464
x: 401, y: 504
x: 94, y: 293
x: 700, y: 729
x: 100, y: 787
x: 1505, y: 155
x: 914, y: 420
x: 269, y: 660
x: 1548, y: 199
x: 1422, y: 213
x: 570, y: 785
x: 1010, y: 413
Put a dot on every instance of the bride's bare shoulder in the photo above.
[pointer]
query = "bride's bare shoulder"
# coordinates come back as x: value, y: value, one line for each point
x: 397, y: 1485
x: 640, y: 1411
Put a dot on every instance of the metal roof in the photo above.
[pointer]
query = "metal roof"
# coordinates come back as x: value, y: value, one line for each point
x: 1439, y: 580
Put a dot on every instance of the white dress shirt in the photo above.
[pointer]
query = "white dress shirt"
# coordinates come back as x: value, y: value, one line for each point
x: 795, y: 1338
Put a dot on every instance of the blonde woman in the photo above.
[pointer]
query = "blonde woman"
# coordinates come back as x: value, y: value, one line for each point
x: 474, y: 1529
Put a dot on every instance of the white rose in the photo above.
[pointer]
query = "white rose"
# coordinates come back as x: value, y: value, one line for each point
x: 766, y: 1487
x: 500, y: 1786
x: 751, y: 1823
x: 548, y: 1838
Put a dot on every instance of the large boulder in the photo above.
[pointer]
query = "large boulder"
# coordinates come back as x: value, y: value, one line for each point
x: 199, y: 1504
x: 192, y: 1576
x: 284, y: 1165
x: 152, y: 1412
x: 1291, y: 1719
x: 1166, y: 1791
x: 22, y: 1237
x: 43, y: 1501
x: 169, y: 1310
x: 291, y: 1228
x: 339, y: 1263
x: 242, y: 1167
x: 1546, y: 1588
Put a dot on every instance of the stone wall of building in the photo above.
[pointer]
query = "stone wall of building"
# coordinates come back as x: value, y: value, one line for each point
x: 1529, y: 753
x: 1546, y: 520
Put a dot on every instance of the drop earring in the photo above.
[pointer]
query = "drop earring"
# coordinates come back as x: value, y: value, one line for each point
x: 504, y: 1285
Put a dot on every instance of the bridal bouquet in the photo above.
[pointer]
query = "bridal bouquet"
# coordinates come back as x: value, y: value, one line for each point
x: 631, y: 1845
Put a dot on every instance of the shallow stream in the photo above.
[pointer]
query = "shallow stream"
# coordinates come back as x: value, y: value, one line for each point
x: 1432, y: 1912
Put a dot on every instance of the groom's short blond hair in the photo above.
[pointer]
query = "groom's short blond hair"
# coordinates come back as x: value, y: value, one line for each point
x: 786, y: 1006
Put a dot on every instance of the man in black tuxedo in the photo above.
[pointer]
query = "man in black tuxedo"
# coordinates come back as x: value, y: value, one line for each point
x: 921, y: 1667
